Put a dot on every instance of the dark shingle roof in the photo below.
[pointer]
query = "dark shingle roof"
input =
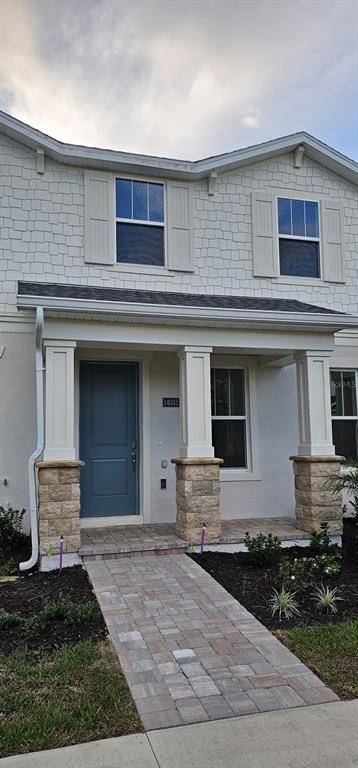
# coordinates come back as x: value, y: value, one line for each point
x: 162, y: 298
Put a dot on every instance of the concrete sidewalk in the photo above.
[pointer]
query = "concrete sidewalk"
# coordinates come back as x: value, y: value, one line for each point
x: 321, y: 736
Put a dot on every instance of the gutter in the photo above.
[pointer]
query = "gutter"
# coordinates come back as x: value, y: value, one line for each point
x: 25, y: 566
x: 254, y: 317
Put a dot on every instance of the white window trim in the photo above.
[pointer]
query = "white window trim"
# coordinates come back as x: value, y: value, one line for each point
x: 298, y: 278
x: 141, y: 268
x: 252, y: 471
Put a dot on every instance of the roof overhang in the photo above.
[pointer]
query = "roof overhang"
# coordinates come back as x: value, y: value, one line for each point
x: 195, y: 316
x: 126, y: 162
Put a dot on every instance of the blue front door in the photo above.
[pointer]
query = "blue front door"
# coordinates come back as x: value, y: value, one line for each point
x: 109, y: 439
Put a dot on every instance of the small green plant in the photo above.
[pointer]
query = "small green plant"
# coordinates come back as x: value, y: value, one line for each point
x: 300, y: 571
x: 320, y: 542
x: 263, y: 550
x: 62, y: 610
x: 346, y: 481
x: 284, y: 603
x: 11, y: 533
x: 8, y: 619
x: 8, y: 568
x: 34, y: 625
x: 326, y: 599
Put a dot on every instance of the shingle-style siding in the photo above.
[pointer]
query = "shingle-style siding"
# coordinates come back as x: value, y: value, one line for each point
x: 42, y: 232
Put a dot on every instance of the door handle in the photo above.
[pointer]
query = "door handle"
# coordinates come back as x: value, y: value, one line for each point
x: 133, y: 455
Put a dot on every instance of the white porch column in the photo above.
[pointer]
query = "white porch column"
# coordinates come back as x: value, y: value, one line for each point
x: 195, y: 402
x: 314, y: 404
x: 60, y: 390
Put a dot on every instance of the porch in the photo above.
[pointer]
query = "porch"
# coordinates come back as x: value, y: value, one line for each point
x: 105, y: 543
x: 170, y: 426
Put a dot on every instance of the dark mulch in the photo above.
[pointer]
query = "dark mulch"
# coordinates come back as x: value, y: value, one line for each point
x: 253, y: 587
x: 28, y: 595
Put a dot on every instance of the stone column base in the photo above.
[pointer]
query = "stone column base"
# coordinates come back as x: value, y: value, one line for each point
x: 59, y: 505
x: 314, y: 504
x: 198, y: 499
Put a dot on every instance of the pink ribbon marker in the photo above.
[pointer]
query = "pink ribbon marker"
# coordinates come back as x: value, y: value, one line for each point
x: 202, y: 539
x: 61, y: 552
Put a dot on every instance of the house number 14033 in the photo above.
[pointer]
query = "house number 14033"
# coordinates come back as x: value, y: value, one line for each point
x: 170, y: 402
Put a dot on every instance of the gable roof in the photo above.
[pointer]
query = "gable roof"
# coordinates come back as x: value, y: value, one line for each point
x: 126, y: 162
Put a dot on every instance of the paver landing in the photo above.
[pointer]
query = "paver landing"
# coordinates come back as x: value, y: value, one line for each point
x: 190, y: 652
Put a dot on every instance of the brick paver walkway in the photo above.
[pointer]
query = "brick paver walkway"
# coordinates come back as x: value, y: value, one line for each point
x: 155, y: 537
x: 190, y: 651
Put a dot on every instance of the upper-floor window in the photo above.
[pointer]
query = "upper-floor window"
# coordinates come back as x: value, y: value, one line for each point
x: 299, y: 237
x: 140, y: 222
x: 228, y: 411
x: 344, y: 408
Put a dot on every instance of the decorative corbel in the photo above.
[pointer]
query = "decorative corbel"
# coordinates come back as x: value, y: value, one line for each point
x: 40, y: 161
x: 298, y: 156
x: 212, y: 183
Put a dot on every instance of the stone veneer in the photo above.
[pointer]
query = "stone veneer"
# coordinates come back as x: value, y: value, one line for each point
x: 59, y: 505
x: 314, y: 504
x: 198, y: 499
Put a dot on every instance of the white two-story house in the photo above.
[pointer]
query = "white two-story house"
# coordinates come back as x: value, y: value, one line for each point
x: 156, y: 309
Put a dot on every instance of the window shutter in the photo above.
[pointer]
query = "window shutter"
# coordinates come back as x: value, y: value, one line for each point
x: 332, y: 240
x: 180, y: 227
x: 99, y: 217
x: 264, y: 235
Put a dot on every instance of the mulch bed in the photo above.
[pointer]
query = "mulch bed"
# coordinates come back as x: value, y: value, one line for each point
x: 28, y: 595
x: 253, y: 587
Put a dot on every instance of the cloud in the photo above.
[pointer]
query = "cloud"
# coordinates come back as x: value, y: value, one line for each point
x: 252, y: 117
x: 180, y: 78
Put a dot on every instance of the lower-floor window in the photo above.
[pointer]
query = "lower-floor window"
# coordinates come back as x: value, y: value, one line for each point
x: 344, y: 409
x: 228, y: 410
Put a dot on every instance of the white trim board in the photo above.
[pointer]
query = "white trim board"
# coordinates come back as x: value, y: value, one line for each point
x: 111, y: 522
x: 125, y: 162
x: 201, y: 315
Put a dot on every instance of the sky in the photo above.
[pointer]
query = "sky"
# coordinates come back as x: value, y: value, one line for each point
x: 179, y: 78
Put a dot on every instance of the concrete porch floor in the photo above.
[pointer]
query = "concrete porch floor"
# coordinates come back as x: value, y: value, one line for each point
x: 109, y: 542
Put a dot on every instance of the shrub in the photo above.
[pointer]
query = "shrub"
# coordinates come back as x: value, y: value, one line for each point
x: 11, y: 533
x: 346, y: 481
x: 301, y: 570
x: 263, y: 550
x: 8, y: 619
x: 320, y: 542
x: 8, y: 568
x: 72, y: 613
x: 63, y: 610
x: 284, y: 603
x: 326, y: 599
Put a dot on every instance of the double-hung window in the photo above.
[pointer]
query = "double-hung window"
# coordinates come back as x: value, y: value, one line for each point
x: 228, y: 409
x: 299, y: 237
x: 140, y: 222
x: 344, y: 412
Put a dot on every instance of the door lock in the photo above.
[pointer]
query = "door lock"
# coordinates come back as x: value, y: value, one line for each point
x: 133, y: 455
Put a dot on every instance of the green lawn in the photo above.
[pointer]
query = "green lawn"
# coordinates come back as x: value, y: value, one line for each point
x: 74, y: 694
x: 331, y: 650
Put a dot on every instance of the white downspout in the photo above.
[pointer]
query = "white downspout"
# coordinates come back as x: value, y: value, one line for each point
x: 40, y: 442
